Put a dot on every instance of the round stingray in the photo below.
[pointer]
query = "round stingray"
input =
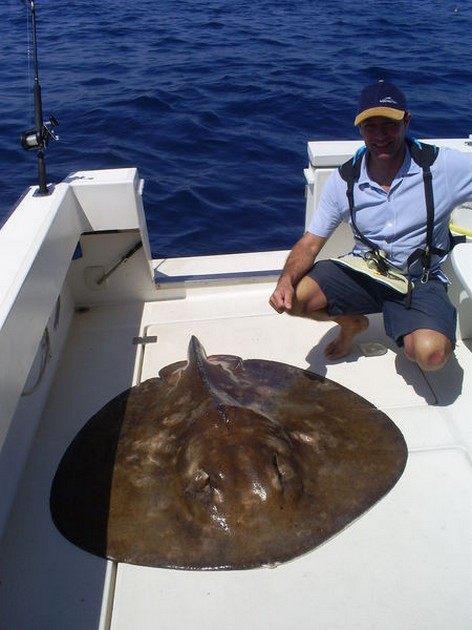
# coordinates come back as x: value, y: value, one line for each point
x: 222, y: 463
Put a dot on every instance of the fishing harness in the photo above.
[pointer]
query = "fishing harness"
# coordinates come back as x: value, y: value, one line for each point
x: 424, y: 155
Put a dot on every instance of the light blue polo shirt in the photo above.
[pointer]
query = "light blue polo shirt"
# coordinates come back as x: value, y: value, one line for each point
x: 396, y: 221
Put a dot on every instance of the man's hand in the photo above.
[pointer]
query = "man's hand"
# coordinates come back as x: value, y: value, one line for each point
x: 300, y: 260
x: 282, y: 298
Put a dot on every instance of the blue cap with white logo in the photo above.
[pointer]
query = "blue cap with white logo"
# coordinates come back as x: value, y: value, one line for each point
x: 381, y: 99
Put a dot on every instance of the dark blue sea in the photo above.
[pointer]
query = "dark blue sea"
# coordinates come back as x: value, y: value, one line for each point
x: 215, y: 100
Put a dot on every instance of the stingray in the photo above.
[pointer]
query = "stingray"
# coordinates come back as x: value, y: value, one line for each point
x: 220, y: 463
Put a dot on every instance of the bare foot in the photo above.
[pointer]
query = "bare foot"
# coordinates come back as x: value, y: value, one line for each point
x: 351, y: 325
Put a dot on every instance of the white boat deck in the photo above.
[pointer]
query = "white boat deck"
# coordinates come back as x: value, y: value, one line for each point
x: 406, y: 563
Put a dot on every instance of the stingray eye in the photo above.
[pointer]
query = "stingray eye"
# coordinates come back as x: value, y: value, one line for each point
x: 288, y: 478
x: 204, y: 488
x: 200, y: 484
x: 279, y: 470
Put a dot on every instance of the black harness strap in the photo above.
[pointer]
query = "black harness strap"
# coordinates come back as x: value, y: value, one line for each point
x: 424, y: 155
x: 350, y: 172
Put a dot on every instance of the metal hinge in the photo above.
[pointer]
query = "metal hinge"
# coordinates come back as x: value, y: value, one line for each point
x: 144, y: 340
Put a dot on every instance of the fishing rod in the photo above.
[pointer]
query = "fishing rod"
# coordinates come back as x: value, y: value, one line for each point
x: 37, y: 139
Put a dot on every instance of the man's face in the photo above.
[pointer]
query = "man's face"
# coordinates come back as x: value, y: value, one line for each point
x: 384, y: 137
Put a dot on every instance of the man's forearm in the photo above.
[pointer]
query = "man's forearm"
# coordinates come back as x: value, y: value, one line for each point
x: 301, y: 258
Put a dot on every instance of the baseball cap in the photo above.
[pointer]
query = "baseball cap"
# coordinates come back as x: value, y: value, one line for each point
x: 381, y: 99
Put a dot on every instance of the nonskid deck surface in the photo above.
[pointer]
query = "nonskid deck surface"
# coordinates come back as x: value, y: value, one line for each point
x: 406, y: 563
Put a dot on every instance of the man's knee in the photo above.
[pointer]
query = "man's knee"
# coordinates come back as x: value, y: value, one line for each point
x: 428, y: 348
x: 309, y: 298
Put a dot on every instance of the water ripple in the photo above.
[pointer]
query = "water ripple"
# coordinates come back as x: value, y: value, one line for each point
x: 214, y: 101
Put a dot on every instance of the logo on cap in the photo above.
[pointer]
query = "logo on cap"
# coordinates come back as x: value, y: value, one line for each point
x: 388, y: 99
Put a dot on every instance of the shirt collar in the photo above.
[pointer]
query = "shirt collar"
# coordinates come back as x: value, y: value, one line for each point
x: 408, y: 168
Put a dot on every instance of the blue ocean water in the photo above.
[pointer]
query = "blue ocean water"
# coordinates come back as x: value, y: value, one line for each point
x: 215, y: 100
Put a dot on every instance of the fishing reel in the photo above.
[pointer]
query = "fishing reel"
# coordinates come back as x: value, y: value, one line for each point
x: 39, y: 138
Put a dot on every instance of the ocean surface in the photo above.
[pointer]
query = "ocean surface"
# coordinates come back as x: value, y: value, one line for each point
x: 214, y: 100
